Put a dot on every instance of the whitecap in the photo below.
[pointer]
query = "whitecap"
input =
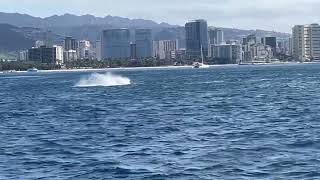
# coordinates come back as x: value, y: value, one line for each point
x: 103, y: 80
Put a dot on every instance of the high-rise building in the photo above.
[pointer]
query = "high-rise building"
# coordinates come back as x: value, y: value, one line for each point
x: 248, y: 44
x: 312, y: 42
x: 133, y: 51
x: 84, y: 49
x: 298, y: 42
x: 216, y: 36
x: 96, y: 50
x: 196, y: 38
x: 251, y: 39
x: 270, y: 41
x: 115, y: 43
x: 70, y: 44
x: 290, y: 47
x: 143, y: 43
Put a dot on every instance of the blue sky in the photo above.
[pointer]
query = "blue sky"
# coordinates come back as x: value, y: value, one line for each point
x: 279, y: 15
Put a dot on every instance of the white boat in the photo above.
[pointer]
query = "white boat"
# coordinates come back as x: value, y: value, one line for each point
x: 201, y: 65
x: 32, y: 69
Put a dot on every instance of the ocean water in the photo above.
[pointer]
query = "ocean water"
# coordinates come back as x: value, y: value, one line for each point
x: 228, y: 122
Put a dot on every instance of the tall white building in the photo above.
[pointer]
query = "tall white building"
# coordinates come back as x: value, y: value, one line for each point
x: 306, y: 42
x: 312, y: 42
x: 84, y: 49
x: 298, y: 42
x: 216, y: 37
x: 59, y: 54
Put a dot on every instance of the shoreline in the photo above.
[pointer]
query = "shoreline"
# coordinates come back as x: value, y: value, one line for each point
x: 158, y: 67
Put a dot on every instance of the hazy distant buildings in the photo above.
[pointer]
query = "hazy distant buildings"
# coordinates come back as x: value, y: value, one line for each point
x: 196, y: 37
x: 23, y: 55
x: 216, y: 36
x: 227, y: 53
x: 48, y: 39
x: 84, y: 49
x: 39, y: 43
x: 270, y: 41
x: 258, y: 52
x: 247, y: 44
x: 250, y: 39
x: 143, y: 41
x: 290, y: 46
x: 261, y: 53
x: 115, y: 43
x: 96, y: 50
x: 133, y: 51
x: 69, y: 56
x: 70, y: 44
x: 165, y: 49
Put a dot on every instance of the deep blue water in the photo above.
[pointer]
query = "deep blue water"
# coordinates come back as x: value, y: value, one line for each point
x: 237, y: 122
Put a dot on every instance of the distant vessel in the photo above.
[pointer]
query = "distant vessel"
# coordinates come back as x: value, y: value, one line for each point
x: 201, y: 65
x: 32, y: 69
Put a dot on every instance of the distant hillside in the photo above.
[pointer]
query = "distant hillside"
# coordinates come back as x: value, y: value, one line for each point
x: 90, y: 27
x: 25, y: 29
x: 69, y: 20
x: 12, y: 39
x: 238, y: 34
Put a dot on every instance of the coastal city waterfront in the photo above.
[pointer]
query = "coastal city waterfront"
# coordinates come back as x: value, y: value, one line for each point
x: 124, y: 47
x: 159, y: 90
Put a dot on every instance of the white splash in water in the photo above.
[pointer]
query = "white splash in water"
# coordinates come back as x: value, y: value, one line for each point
x: 107, y: 79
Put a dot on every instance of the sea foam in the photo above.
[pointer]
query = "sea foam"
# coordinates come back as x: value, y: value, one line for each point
x: 107, y: 79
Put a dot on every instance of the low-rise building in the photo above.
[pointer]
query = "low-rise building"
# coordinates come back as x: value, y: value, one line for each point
x: 227, y: 53
x: 23, y: 55
x: 165, y: 49
x: 43, y: 54
x: 69, y: 56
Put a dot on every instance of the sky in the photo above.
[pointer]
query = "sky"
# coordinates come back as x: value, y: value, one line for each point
x: 277, y: 15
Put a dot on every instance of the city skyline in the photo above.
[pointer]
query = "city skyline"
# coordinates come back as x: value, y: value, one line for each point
x: 282, y: 15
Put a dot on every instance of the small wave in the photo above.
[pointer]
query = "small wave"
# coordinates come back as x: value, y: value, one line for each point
x: 107, y: 79
x: 19, y: 77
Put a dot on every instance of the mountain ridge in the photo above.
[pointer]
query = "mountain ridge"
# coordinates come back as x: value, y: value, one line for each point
x: 29, y: 28
x: 67, y: 19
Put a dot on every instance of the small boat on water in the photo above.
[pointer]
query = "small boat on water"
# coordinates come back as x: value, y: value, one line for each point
x: 198, y: 65
x: 33, y: 70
